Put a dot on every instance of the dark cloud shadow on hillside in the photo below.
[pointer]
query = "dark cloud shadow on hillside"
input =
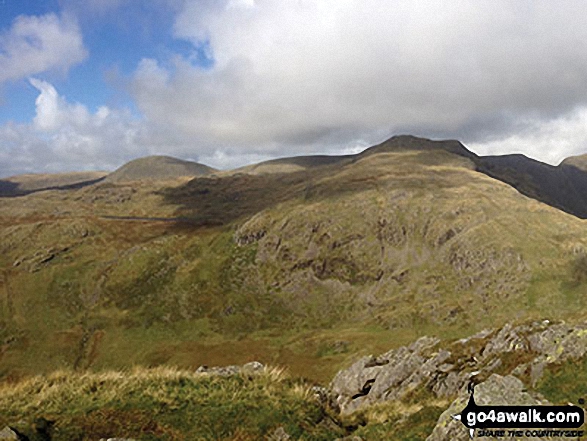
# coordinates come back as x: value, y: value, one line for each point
x: 8, y: 188
x: 12, y: 189
x: 215, y: 201
x: 563, y: 187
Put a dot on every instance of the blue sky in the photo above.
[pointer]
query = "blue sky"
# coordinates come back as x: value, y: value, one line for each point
x: 91, y: 84
x: 117, y: 38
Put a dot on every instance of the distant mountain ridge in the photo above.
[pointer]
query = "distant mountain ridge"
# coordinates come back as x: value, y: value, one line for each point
x: 29, y: 183
x: 414, y: 249
x: 563, y: 187
x: 158, y: 168
x: 414, y: 143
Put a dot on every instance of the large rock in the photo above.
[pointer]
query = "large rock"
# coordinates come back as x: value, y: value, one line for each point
x: 389, y: 376
x: 496, y: 390
x: 523, y: 350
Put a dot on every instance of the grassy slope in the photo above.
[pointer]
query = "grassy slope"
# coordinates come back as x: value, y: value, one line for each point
x: 165, y: 404
x: 307, y: 270
x: 23, y: 184
x: 170, y: 404
x: 157, y: 168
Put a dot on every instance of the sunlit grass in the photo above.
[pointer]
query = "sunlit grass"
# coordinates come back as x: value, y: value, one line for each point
x: 164, y: 403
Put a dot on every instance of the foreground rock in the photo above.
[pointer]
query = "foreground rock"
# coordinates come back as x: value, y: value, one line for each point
x: 496, y: 390
x: 7, y: 434
x: 523, y: 351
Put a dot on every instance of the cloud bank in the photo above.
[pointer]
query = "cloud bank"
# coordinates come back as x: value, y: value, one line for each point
x: 316, y: 76
x: 65, y: 136
x: 36, y: 44
x: 298, y: 76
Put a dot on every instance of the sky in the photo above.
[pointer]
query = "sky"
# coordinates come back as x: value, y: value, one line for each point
x: 92, y: 84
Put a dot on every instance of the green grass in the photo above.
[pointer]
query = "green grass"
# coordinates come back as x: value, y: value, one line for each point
x: 415, y: 427
x: 563, y: 383
x: 383, y: 250
x: 165, y: 404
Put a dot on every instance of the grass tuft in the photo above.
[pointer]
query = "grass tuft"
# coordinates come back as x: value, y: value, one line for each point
x: 164, y: 403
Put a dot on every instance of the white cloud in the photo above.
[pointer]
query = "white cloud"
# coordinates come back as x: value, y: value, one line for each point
x: 305, y: 75
x: 36, y: 44
x: 315, y: 76
x: 549, y: 141
x: 54, y: 112
x: 66, y: 136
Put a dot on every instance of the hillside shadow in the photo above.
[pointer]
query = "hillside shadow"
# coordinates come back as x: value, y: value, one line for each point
x: 563, y: 187
x: 216, y: 201
x: 12, y: 189
x: 8, y: 188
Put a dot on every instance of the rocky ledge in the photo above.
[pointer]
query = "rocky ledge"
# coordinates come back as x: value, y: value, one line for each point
x: 496, y: 360
x: 523, y: 351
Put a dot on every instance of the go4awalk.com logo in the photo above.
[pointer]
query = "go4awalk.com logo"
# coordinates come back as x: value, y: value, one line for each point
x: 521, y: 421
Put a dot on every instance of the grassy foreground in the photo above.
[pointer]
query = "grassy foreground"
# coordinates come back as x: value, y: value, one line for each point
x: 164, y: 404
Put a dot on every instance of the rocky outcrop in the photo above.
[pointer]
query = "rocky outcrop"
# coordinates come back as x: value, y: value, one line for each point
x: 523, y: 350
x: 390, y: 376
x: 226, y: 371
x: 496, y: 390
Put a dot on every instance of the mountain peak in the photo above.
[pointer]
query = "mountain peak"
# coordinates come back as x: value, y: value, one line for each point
x: 158, y: 168
x: 579, y: 161
x: 410, y: 142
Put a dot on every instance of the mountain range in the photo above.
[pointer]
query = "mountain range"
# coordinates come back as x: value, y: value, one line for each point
x: 304, y: 262
x: 563, y: 186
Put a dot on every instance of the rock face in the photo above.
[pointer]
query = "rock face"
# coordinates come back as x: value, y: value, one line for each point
x: 279, y: 434
x: 522, y: 350
x: 496, y: 390
x: 387, y: 377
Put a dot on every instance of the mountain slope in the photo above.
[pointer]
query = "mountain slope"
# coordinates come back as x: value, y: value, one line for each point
x: 563, y: 187
x: 157, y: 168
x: 25, y: 184
x: 305, y: 269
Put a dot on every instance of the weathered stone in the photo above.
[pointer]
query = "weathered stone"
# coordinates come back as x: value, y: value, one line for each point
x: 390, y: 376
x: 536, y: 371
x: 449, y: 385
x: 279, y: 434
x: 226, y: 371
x: 7, y: 434
x: 497, y: 390
x: 445, y: 372
x: 253, y: 366
x: 117, y: 439
x: 508, y: 339
x: 350, y: 382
